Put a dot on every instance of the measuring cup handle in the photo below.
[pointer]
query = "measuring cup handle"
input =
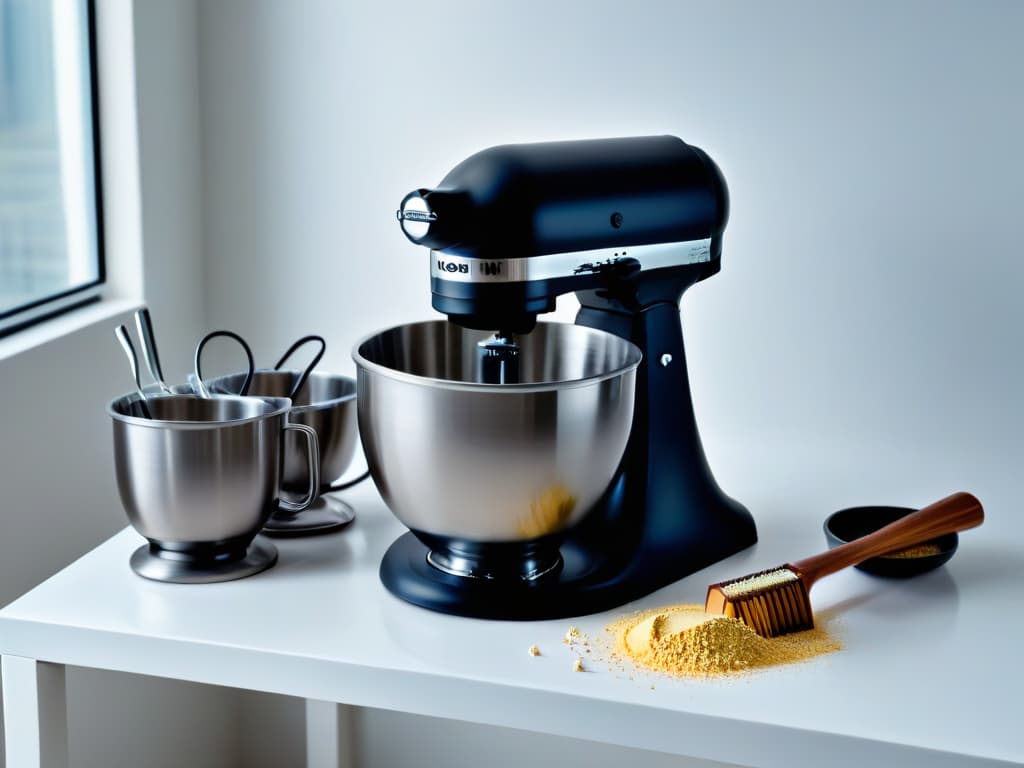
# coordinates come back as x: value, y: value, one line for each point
x: 313, y: 466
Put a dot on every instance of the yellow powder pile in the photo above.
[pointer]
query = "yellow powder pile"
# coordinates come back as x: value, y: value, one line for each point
x: 921, y: 550
x: 683, y: 640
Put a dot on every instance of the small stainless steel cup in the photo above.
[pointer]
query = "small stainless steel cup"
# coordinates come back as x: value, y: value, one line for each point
x: 326, y: 402
x: 200, y: 478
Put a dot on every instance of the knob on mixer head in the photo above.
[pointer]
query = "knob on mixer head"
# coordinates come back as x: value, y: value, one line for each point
x: 415, y: 216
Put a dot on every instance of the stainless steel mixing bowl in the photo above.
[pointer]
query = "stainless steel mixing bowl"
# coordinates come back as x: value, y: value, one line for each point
x: 326, y: 402
x: 472, y: 462
x: 201, y: 477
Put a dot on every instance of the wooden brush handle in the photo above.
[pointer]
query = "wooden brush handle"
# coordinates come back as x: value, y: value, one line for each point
x: 953, y: 513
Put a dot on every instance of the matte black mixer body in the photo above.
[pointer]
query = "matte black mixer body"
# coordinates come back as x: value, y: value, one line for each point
x: 628, y: 225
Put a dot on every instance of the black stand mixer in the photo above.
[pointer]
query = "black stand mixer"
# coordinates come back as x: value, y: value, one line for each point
x: 628, y: 225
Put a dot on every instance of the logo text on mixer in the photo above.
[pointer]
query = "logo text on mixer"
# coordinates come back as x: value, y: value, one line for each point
x: 447, y: 266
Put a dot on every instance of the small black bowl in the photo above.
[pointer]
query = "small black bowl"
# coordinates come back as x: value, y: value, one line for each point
x: 849, y: 524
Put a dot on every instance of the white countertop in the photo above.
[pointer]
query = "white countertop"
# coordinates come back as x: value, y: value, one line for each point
x: 930, y: 673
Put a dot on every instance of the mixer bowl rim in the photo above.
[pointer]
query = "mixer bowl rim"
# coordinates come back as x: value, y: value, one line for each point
x: 278, y: 406
x: 634, y: 359
x: 319, y: 405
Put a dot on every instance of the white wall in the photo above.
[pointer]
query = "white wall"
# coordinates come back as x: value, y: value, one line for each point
x: 167, y: 87
x: 868, y: 298
x: 870, y: 266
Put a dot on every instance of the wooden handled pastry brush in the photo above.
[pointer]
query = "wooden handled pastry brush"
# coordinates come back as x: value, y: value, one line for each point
x: 777, y: 601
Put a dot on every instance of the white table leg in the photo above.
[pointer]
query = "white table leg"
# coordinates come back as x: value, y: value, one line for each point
x: 35, y: 713
x: 328, y: 735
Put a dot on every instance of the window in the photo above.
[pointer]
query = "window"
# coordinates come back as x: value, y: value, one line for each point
x: 51, y: 255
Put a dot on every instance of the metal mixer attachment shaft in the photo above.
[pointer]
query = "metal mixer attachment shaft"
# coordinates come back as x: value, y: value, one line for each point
x: 499, y: 359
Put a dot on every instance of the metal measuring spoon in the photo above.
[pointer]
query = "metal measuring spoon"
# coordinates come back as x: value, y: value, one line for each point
x: 145, y: 326
x: 121, y: 334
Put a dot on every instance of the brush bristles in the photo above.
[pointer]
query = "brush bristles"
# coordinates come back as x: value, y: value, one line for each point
x: 771, y: 602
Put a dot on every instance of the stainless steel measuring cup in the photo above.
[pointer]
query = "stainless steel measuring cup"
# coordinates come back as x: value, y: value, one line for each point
x: 201, y: 477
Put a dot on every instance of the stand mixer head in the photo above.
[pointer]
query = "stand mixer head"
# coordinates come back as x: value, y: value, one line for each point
x: 628, y: 225
x: 513, y: 227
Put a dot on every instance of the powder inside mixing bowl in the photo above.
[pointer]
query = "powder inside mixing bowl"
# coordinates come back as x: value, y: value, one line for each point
x: 549, y: 512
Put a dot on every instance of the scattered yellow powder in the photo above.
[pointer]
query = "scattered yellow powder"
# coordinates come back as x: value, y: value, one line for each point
x: 549, y: 512
x: 578, y: 665
x: 534, y: 650
x: 683, y: 640
x: 921, y: 550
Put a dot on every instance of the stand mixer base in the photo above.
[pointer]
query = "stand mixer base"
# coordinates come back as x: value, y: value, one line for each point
x: 588, y: 582
x: 593, y: 576
x: 407, y: 572
x: 327, y: 515
x: 178, y: 569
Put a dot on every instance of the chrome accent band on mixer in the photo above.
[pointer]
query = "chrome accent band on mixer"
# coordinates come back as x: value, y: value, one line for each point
x: 461, y: 269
